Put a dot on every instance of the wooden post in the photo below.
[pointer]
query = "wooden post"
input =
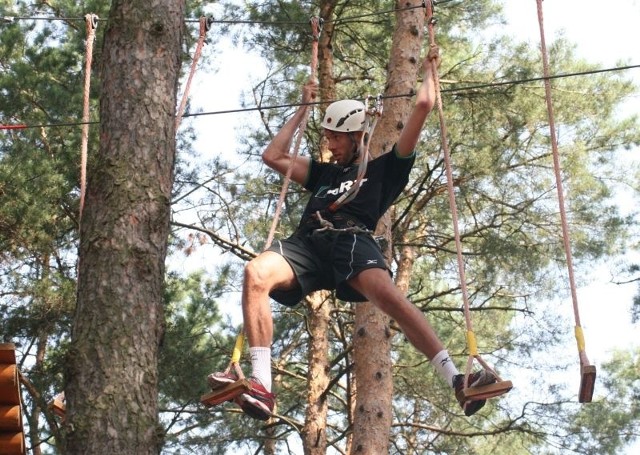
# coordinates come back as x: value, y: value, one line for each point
x: 11, y: 434
x: 10, y: 418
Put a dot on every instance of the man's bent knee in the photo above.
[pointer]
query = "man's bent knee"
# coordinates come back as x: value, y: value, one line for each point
x: 267, y: 271
x: 255, y: 276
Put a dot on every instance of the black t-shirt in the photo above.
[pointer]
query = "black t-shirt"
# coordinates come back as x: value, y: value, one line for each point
x: 386, y: 177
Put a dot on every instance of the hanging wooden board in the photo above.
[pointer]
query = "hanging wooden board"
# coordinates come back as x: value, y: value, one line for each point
x: 587, y: 383
x: 226, y: 393
x: 487, y: 391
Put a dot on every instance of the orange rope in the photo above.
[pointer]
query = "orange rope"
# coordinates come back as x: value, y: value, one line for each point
x: 315, y: 28
x: 204, y: 27
x: 92, y: 23
x: 557, y: 169
x: 471, y: 341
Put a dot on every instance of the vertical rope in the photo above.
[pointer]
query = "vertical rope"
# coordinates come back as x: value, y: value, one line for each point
x: 559, y: 187
x: 449, y: 173
x: 91, y: 23
x: 204, y: 27
x: 472, y: 345
x: 315, y: 29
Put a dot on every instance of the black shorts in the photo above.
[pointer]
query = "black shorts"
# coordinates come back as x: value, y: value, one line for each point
x: 326, y: 260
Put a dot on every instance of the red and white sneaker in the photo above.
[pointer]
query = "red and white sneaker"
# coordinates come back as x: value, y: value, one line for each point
x: 477, y: 379
x: 220, y: 379
x: 257, y: 402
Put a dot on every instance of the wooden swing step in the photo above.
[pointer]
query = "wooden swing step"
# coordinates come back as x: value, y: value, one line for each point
x: 226, y: 393
x: 58, y: 407
x: 587, y: 383
x: 485, y: 392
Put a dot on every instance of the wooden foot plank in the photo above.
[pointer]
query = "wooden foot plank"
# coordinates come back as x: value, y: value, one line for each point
x: 587, y: 383
x: 226, y: 393
x: 58, y: 407
x: 487, y: 391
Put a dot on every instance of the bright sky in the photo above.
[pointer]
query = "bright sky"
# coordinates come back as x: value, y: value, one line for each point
x: 601, y: 31
x: 604, y: 32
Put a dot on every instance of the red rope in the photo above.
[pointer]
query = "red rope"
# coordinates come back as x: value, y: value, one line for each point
x: 92, y: 23
x: 449, y: 172
x: 315, y: 28
x: 196, y: 56
x: 471, y: 341
x: 557, y: 170
x: 12, y: 127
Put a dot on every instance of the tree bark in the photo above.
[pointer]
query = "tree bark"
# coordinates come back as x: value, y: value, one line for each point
x: 112, y: 373
x: 326, y: 78
x: 372, y: 336
x: 314, y: 433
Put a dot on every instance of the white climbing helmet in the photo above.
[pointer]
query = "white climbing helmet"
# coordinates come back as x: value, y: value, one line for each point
x: 345, y: 116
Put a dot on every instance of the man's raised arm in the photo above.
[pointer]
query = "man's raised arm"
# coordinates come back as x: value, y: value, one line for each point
x: 425, y: 101
x: 277, y: 155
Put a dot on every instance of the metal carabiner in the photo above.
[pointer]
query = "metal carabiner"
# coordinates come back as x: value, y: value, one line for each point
x: 373, y: 108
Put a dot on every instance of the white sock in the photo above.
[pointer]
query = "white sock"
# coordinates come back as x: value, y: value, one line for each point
x: 445, y: 366
x: 261, y: 365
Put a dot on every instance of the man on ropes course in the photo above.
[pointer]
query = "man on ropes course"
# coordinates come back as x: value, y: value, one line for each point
x: 333, y: 247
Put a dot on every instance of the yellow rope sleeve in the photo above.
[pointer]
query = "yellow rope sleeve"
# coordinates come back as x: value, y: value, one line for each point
x: 237, y: 349
x: 471, y: 343
x: 580, y: 338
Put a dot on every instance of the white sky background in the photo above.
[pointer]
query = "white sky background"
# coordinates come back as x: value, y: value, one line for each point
x: 604, y: 31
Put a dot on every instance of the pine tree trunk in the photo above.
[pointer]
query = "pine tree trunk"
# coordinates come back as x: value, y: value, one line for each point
x: 326, y: 78
x: 372, y: 336
x: 314, y: 433
x: 406, y: 259
x: 112, y: 376
x: 372, y: 414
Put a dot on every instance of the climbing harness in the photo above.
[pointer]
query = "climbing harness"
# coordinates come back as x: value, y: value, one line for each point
x: 500, y: 387
x: 326, y: 225
x: 587, y: 371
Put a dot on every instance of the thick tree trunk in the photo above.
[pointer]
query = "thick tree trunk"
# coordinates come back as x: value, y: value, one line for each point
x: 372, y: 414
x: 112, y: 376
x: 326, y: 78
x: 372, y: 336
x: 315, y: 425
